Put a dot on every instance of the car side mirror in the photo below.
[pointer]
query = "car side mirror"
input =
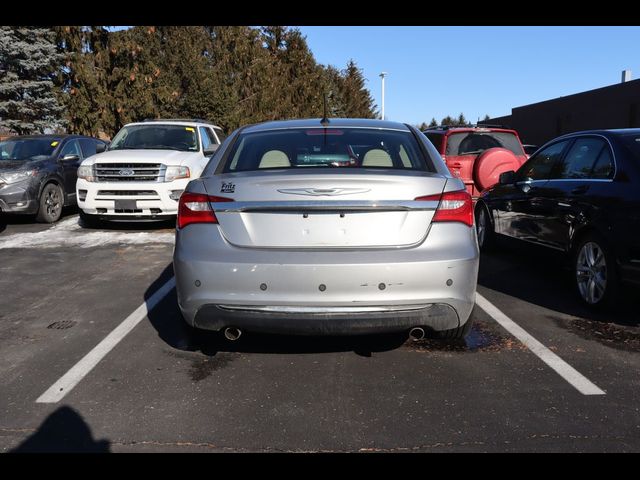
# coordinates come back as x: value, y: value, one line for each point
x: 507, y: 178
x: 211, y: 149
x: 101, y: 147
x: 72, y: 157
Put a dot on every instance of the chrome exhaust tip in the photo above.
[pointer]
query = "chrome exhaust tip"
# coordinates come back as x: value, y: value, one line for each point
x: 232, y: 333
x: 416, y: 333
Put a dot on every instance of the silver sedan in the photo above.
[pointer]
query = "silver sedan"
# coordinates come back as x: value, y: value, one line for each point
x: 327, y: 227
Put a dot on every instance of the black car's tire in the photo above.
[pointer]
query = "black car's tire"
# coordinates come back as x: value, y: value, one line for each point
x: 457, y: 333
x: 594, y: 272
x: 89, y: 221
x: 50, y: 204
x: 484, y: 228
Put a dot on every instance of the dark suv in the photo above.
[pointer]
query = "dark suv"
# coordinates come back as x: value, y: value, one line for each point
x: 478, y: 154
x: 38, y: 172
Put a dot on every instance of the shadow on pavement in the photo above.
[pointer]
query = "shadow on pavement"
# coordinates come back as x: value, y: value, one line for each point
x: 543, y: 278
x: 173, y: 330
x: 64, y: 431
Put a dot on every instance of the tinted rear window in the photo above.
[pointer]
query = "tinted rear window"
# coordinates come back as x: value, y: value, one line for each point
x: 470, y: 143
x: 311, y: 148
x: 436, y: 139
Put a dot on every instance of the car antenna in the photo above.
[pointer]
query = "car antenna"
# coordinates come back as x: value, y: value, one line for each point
x: 325, y: 121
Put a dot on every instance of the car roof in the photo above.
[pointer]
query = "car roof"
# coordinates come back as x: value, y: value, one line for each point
x: 185, y: 122
x: 51, y: 136
x: 461, y: 129
x: 605, y: 132
x: 333, y: 123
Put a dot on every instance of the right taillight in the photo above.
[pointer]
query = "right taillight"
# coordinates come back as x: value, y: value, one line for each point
x: 196, y: 208
x: 453, y: 207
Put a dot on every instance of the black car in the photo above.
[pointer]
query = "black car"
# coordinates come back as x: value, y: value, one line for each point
x: 38, y: 172
x: 579, y: 194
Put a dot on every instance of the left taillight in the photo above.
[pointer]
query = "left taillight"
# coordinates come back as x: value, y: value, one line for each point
x: 453, y: 207
x: 196, y: 208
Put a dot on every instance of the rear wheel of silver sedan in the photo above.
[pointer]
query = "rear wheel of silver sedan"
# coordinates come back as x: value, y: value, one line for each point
x: 594, y: 272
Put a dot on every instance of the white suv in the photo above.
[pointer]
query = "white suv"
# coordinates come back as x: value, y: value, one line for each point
x: 145, y: 170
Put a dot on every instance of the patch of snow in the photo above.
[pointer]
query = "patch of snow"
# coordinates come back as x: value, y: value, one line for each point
x: 69, y: 233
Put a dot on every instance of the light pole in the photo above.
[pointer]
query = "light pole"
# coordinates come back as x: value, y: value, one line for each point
x: 382, y: 75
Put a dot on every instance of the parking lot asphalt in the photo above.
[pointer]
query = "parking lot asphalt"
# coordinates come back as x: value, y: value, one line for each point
x: 163, y: 387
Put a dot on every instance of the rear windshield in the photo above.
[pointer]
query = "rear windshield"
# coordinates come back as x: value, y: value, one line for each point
x: 470, y: 143
x: 327, y: 148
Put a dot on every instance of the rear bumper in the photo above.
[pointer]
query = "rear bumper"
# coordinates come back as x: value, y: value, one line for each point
x: 217, y: 317
x: 440, y: 275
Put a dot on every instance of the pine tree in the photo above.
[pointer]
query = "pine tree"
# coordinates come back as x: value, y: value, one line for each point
x: 82, y: 80
x: 28, y: 65
x: 461, y: 119
x: 433, y: 122
x: 358, y: 101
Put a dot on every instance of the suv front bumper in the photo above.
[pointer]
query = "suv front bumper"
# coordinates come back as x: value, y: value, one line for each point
x: 130, y: 200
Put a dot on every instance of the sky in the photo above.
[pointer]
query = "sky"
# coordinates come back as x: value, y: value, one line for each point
x: 478, y: 71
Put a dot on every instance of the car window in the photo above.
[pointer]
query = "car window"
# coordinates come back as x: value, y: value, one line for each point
x: 88, y: 146
x: 540, y: 165
x: 221, y: 135
x: 603, y: 168
x: 207, y: 138
x: 581, y: 158
x: 154, y: 136
x: 471, y: 143
x: 318, y: 147
x: 27, y: 148
x: 71, y: 148
x: 436, y: 139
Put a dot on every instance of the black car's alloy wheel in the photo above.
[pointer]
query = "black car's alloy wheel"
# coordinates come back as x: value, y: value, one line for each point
x: 484, y: 228
x: 594, y: 271
x: 51, y: 202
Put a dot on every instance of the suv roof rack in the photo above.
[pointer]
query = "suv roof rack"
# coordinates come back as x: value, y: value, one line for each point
x: 468, y: 125
x: 447, y: 127
x: 195, y: 120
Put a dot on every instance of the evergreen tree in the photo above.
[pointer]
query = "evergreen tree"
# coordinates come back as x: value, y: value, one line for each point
x: 28, y: 65
x: 433, y: 122
x: 358, y: 101
x: 448, y: 120
x: 461, y: 119
x: 82, y: 79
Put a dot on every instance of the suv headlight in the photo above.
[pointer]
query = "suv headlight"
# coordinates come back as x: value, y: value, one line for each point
x: 14, y: 177
x: 86, y: 173
x: 174, y: 173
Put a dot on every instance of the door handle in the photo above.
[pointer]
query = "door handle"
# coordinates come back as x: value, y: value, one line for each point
x: 580, y: 190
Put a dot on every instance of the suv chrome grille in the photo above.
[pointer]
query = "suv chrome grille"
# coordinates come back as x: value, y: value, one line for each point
x: 130, y: 172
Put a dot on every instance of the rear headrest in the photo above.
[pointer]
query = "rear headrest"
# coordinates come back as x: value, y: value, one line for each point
x: 274, y: 159
x: 377, y: 158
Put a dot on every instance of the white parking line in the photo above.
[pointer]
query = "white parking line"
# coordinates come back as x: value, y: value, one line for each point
x: 70, y: 379
x: 566, y: 371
